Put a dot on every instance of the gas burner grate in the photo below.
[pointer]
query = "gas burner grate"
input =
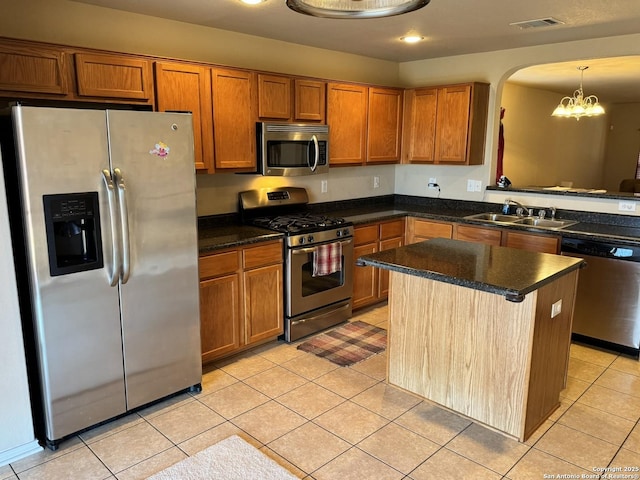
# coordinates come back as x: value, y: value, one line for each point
x: 298, y: 222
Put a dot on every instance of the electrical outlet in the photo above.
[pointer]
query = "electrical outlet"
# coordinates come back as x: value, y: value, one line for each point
x: 477, y: 186
x: 470, y: 185
x: 323, y: 186
x: 556, y: 308
x: 627, y: 206
x: 376, y: 182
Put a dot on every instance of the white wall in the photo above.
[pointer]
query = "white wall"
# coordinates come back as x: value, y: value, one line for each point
x: 495, y: 68
x: 623, y: 143
x: 219, y: 193
x: 17, y: 437
x: 541, y: 150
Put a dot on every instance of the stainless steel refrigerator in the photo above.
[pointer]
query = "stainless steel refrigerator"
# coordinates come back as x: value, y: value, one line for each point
x: 110, y: 232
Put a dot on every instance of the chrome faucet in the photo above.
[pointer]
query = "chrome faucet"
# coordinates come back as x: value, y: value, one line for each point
x: 519, y: 211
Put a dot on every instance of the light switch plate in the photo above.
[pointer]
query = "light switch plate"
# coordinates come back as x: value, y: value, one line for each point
x: 323, y: 186
x: 556, y: 308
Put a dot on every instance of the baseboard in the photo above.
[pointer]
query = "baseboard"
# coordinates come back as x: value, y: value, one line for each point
x: 21, y: 451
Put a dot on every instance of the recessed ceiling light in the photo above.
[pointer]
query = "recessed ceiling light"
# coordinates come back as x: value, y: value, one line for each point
x: 412, y: 38
x: 252, y: 2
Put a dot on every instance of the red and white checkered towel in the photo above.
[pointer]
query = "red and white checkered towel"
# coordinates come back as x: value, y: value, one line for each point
x: 327, y: 259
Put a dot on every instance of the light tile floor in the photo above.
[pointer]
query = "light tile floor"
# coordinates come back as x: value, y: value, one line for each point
x: 322, y: 421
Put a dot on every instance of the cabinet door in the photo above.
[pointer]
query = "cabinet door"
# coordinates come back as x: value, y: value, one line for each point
x: 310, y: 100
x: 489, y: 236
x: 33, y: 69
x: 187, y: 88
x: 263, y: 303
x: 419, y: 230
x: 532, y: 242
x: 384, y: 133
x: 452, y: 124
x: 365, y: 279
x: 114, y: 77
x: 347, y: 119
x: 420, y: 125
x: 234, y: 119
x: 274, y: 97
x: 219, y: 316
x: 383, y: 275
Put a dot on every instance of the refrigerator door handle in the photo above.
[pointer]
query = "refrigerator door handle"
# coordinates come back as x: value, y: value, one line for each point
x: 124, y: 224
x: 114, y: 274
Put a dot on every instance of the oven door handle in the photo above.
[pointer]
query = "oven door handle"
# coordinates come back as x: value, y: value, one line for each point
x: 296, y: 251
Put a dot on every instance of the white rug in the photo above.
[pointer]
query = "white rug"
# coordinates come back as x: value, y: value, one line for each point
x: 230, y: 459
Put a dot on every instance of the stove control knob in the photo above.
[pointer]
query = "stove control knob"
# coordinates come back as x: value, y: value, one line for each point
x: 338, y: 233
x: 345, y: 232
x: 301, y: 241
x: 310, y: 238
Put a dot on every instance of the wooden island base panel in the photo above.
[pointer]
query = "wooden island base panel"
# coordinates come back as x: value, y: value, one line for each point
x: 455, y: 339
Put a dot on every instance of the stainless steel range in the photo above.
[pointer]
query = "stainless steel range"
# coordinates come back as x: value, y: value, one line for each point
x: 318, y: 258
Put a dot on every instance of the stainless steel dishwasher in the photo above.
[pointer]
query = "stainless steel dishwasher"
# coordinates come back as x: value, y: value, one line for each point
x: 607, y: 307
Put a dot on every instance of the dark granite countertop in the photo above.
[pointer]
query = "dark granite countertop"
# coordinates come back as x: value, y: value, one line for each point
x: 500, y: 270
x: 226, y: 231
x: 212, y: 238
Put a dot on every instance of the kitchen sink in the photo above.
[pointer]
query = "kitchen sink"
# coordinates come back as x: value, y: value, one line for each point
x: 493, y: 217
x: 545, y: 222
x: 498, y: 218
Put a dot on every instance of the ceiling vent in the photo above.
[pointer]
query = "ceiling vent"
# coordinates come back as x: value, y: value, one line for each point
x: 540, y: 22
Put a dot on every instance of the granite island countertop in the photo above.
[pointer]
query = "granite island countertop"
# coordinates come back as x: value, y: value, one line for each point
x: 504, y: 271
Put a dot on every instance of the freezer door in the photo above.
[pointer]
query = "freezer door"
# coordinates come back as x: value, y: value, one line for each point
x: 152, y: 158
x: 75, y: 315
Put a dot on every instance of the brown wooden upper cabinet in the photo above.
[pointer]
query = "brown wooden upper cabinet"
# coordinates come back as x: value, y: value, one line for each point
x: 33, y: 70
x: 446, y: 125
x: 291, y: 99
x: 384, y: 127
x: 347, y: 119
x: 187, y: 88
x: 234, y: 119
x: 114, y: 77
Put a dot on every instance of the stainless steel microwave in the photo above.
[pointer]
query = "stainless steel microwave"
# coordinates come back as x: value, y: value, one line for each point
x: 291, y: 149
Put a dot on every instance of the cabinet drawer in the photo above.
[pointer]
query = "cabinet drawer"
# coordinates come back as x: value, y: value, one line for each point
x: 532, y: 242
x: 366, y: 234
x: 423, y: 228
x: 490, y: 236
x: 218, y: 264
x: 262, y: 255
x: 391, y: 229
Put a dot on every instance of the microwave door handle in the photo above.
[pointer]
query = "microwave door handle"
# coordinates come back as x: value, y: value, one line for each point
x: 124, y: 224
x: 114, y: 274
x: 316, y: 149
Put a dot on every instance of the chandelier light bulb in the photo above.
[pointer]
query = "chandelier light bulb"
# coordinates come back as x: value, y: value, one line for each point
x: 578, y: 105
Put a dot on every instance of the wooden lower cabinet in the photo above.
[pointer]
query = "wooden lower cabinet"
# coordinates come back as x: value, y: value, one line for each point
x: 371, y: 285
x: 240, y: 299
x: 219, y: 316
x: 263, y: 303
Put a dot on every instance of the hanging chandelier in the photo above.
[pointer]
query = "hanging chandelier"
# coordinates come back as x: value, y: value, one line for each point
x: 355, y: 8
x: 579, y: 106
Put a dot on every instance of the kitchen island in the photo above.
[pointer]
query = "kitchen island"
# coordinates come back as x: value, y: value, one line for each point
x: 481, y: 330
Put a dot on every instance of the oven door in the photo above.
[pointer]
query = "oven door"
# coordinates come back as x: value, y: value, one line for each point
x: 304, y: 292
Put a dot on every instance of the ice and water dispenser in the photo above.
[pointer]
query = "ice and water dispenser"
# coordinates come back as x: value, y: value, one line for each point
x: 73, y: 232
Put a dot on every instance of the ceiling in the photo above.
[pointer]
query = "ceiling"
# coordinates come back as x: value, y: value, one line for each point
x: 450, y: 27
